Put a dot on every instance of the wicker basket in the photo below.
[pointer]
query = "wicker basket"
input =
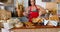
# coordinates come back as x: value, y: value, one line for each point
x: 4, y: 15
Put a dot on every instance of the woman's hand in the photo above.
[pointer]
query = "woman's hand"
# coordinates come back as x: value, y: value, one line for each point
x: 25, y: 14
x: 40, y: 13
x: 26, y: 11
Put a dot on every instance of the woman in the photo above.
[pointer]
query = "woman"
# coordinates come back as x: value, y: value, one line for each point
x: 33, y: 11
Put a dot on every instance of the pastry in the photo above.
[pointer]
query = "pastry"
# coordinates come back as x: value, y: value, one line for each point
x: 36, y: 20
x: 18, y: 25
x: 29, y: 25
x: 54, y: 17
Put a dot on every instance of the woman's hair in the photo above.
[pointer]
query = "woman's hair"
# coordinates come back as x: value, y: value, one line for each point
x: 29, y: 3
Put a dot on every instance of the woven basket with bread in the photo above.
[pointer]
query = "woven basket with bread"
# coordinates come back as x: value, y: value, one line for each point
x: 4, y: 15
x: 54, y: 19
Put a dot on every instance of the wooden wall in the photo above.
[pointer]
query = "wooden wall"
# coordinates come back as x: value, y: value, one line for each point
x: 51, y: 5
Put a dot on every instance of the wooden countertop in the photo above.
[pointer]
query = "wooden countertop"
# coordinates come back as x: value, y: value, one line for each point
x: 37, y: 27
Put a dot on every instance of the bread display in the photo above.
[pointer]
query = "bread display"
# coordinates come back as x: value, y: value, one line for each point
x: 4, y: 15
x: 54, y: 17
x: 16, y: 20
x: 52, y: 23
x: 53, y: 20
x: 37, y: 20
x: 18, y: 25
x: 29, y: 25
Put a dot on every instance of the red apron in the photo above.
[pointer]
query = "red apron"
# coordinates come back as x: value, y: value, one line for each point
x: 33, y: 14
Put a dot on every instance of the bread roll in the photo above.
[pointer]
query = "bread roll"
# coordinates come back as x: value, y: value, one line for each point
x: 35, y: 20
x: 54, y: 17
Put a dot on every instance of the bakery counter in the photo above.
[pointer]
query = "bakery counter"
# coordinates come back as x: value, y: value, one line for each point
x: 37, y: 29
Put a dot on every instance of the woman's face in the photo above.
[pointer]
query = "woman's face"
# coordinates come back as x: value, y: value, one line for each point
x: 32, y: 2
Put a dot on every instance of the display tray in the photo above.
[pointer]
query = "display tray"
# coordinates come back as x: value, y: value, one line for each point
x: 37, y: 27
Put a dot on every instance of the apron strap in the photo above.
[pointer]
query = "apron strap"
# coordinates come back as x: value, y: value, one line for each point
x: 30, y: 8
x: 36, y: 8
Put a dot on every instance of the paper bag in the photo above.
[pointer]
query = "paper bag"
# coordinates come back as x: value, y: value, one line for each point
x: 4, y: 30
x: 7, y: 25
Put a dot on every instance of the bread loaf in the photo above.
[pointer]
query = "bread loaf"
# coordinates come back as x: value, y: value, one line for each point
x: 54, y: 17
x: 4, y: 15
x: 37, y: 20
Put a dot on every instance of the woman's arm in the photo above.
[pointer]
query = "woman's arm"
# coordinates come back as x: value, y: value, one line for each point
x: 41, y: 10
x: 26, y: 12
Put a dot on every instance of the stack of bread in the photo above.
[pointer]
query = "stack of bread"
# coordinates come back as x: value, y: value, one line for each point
x: 15, y: 22
x: 4, y: 15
